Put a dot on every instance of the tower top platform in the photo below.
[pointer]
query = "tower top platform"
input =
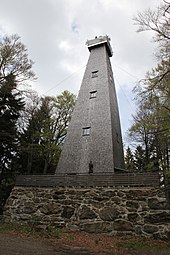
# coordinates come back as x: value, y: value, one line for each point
x: 97, y: 41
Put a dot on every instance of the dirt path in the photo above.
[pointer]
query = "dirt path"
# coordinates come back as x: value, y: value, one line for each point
x: 17, y: 245
x: 77, y: 243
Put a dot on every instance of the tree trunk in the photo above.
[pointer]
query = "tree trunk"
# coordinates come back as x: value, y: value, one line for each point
x: 45, y: 166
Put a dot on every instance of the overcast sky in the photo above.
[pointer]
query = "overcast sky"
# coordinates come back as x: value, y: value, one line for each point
x: 55, y: 32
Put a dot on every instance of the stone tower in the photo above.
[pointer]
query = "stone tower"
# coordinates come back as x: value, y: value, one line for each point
x: 93, y: 142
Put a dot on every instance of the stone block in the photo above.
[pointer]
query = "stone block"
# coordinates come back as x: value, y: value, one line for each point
x: 68, y: 202
x: 59, y: 197
x: 109, y: 193
x: 161, y: 235
x: 132, y: 204
x: 96, y: 227
x: 157, y: 203
x: 138, y: 229
x: 158, y: 217
x: 59, y: 192
x: 109, y: 213
x: 133, y: 217
x: 67, y: 212
x: 25, y: 217
x: 150, y: 229
x: 29, y: 209
x: 116, y: 199
x: 141, y: 194
x: 50, y: 208
x: 86, y: 213
x: 95, y: 204
x: 122, y: 225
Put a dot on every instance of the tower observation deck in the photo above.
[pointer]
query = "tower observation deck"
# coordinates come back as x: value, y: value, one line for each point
x: 100, y: 41
x: 93, y: 143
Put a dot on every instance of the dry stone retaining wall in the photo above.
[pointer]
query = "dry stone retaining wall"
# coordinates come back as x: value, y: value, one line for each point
x: 140, y: 211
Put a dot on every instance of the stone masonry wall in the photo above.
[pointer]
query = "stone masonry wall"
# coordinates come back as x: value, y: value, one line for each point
x: 140, y: 211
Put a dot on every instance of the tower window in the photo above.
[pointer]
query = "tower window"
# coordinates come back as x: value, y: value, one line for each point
x: 94, y: 74
x: 93, y: 94
x: 86, y: 131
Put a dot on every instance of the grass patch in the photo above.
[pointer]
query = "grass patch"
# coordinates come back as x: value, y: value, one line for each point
x: 132, y: 245
x: 54, y: 232
x: 30, y: 229
x: 6, y: 227
x: 69, y: 236
x: 142, y: 244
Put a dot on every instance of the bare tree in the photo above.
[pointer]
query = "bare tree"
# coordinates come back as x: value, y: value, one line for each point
x: 14, y: 60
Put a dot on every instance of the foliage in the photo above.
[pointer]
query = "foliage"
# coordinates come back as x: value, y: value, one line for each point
x: 11, y: 103
x: 129, y: 160
x: 137, y: 161
x: 140, y: 158
x: 14, y: 60
x: 54, y: 232
x: 46, y: 130
x: 151, y: 127
x: 15, y: 68
x: 32, y: 128
x: 145, y: 245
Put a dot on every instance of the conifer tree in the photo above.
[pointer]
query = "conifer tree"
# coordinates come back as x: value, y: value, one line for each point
x: 46, y: 130
x: 11, y: 103
x: 139, y: 158
x: 129, y: 160
x: 15, y: 70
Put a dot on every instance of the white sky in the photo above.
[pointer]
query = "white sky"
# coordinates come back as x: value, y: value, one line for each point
x: 55, y: 32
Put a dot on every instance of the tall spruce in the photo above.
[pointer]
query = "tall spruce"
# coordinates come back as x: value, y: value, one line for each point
x: 129, y: 160
x: 15, y: 71
x: 139, y: 158
x: 11, y: 103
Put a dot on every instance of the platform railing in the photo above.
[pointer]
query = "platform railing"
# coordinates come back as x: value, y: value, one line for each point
x: 142, y: 179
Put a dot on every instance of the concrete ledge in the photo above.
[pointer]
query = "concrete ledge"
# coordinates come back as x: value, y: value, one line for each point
x: 91, y: 180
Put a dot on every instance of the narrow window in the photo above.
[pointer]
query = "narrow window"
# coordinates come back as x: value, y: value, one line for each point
x: 94, y: 74
x: 93, y: 94
x: 86, y: 131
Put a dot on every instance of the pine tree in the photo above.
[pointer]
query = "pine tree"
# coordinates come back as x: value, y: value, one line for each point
x: 11, y: 103
x: 129, y: 160
x: 140, y: 159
